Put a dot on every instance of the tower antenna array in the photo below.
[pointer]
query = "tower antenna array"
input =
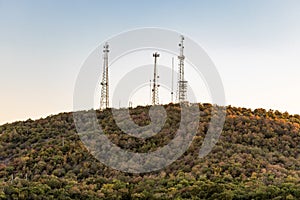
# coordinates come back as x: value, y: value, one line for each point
x: 182, y: 84
x: 155, y: 85
x: 104, y: 102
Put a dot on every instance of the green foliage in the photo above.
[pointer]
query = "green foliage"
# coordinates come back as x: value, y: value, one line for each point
x: 256, y: 157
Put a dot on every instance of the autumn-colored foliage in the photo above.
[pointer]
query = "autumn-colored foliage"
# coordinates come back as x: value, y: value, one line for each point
x: 257, y: 157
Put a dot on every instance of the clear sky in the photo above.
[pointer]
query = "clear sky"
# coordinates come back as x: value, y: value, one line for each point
x: 255, y: 45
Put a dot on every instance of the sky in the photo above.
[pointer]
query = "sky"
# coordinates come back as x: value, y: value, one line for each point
x: 254, y: 44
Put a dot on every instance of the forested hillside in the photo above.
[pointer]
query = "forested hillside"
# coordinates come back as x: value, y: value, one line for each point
x: 257, y: 157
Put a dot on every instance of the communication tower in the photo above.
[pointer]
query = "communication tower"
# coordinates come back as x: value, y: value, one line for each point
x: 104, y: 102
x: 182, y: 84
x: 155, y: 85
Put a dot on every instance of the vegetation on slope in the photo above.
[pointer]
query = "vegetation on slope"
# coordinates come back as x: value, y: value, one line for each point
x: 256, y: 157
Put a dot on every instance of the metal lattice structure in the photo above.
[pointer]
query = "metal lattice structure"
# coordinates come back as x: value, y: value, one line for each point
x: 155, y: 99
x: 104, y: 101
x: 182, y: 84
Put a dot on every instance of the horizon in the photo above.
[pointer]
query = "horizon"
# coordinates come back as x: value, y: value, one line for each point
x: 133, y: 107
x: 254, y: 45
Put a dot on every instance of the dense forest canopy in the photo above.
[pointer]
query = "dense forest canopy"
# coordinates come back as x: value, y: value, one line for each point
x: 257, y: 157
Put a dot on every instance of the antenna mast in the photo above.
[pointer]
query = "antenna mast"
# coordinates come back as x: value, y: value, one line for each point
x: 155, y: 85
x: 104, y: 102
x: 172, y: 85
x: 150, y: 91
x: 182, y: 84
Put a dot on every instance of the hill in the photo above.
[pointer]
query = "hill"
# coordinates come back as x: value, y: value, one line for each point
x: 257, y: 157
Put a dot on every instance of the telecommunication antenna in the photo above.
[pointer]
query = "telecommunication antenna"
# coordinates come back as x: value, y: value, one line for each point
x: 150, y: 91
x: 172, y: 85
x: 104, y: 102
x: 155, y: 85
x: 182, y: 84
